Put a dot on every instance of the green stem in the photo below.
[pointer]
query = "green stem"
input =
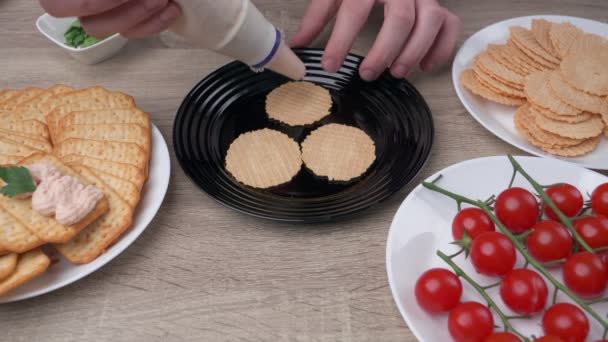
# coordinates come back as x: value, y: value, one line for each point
x: 601, y: 249
x: 554, y: 262
x: 487, y: 287
x: 520, y: 248
x: 545, y: 199
x: 459, y: 272
x: 456, y: 254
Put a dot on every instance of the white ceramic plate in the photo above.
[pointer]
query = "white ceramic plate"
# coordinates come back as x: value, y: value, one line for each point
x: 497, y: 118
x: 64, y: 273
x: 423, y: 224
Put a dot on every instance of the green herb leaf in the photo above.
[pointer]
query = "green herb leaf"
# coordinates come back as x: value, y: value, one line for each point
x: 76, y: 37
x: 18, y: 181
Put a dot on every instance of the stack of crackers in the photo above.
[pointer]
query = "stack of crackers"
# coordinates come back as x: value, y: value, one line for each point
x: 557, y: 76
x: 97, y: 136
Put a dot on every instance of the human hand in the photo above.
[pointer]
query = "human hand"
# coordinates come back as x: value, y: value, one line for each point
x: 414, y: 32
x: 131, y: 18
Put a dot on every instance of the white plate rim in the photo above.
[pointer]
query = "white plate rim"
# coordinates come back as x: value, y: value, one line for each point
x: 415, y: 192
x: 526, y: 147
x: 161, y: 152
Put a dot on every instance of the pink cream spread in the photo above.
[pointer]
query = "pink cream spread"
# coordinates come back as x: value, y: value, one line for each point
x: 64, y: 196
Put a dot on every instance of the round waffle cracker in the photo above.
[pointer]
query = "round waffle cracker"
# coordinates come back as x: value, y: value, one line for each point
x: 562, y: 36
x: 496, y: 85
x: 298, y: 103
x: 522, y: 128
x: 548, y: 138
x: 585, y: 147
x: 576, y: 98
x: 339, y: 152
x: 537, y: 91
x: 524, y: 38
x: 587, y: 71
x: 513, y: 52
x: 540, y: 30
x: 264, y: 158
x: 469, y: 81
x: 583, y: 116
x: 581, y: 130
x: 492, y: 67
x: 497, y: 52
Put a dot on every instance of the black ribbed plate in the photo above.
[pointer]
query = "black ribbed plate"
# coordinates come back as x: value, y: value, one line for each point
x: 231, y: 101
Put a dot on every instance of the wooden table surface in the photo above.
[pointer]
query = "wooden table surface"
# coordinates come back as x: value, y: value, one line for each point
x: 203, y: 272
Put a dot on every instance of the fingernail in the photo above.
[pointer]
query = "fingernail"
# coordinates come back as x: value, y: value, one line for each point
x: 399, y: 71
x: 330, y: 64
x: 368, y: 74
x: 170, y: 14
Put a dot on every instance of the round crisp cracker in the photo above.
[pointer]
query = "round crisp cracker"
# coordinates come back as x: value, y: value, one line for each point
x: 492, y: 67
x: 576, y: 98
x: 525, y: 40
x: 548, y: 138
x: 469, y: 81
x: 538, y: 92
x: 581, y: 130
x: 340, y: 153
x: 540, y: 30
x: 585, y: 147
x: 496, y: 85
x: 298, y: 103
x: 263, y: 158
x: 584, y: 116
x: 513, y: 52
x: 562, y: 36
x: 587, y: 71
x: 497, y: 53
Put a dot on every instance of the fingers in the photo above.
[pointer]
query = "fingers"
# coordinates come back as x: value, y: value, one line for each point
x: 352, y: 15
x: 156, y: 24
x: 78, y: 8
x: 317, y: 16
x: 398, y: 22
x: 429, y: 20
x: 122, y: 18
x: 444, y: 44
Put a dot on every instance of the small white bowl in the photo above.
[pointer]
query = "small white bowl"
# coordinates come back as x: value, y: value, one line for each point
x: 55, y: 28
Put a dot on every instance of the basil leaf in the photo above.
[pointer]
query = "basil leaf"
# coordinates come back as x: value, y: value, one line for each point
x: 18, y: 181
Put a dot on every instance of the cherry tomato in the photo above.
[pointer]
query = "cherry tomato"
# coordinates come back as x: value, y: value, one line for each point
x: 492, y: 254
x: 585, y: 274
x: 438, y: 290
x: 593, y: 230
x: 524, y: 291
x: 517, y: 209
x: 549, y: 241
x: 599, y: 200
x: 567, y: 322
x: 566, y: 198
x: 474, y: 220
x: 502, y: 336
x: 548, y: 339
x: 470, y: 322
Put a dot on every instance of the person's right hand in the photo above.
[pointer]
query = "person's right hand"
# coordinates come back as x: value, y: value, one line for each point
x: 130, y: 18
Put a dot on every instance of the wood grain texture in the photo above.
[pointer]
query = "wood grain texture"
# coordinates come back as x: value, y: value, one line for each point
x: 202, y: 272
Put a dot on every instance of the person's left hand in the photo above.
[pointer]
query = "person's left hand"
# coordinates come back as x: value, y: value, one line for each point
x: 415, y: 32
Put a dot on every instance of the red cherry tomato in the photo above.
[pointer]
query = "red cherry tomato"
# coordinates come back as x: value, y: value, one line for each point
x: 548, y: 339
x: 567, y: 322
x: 502, y: 336
x: 524, y: 291
x: 566, y: 198
x: 593, y: 230
x: 474, y: 220
x: 549, y: 241
x: 517, y: 209
x: 438, y: 290
x: 585, y: 274
x: 599, y: 200
x: 492, y: 254
x: 470, y: 322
